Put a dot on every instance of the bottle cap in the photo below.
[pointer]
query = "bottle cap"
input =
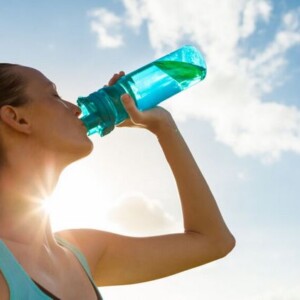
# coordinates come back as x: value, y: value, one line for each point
x: 98, y: 115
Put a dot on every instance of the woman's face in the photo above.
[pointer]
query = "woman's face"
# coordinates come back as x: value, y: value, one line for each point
x: 54, y: 122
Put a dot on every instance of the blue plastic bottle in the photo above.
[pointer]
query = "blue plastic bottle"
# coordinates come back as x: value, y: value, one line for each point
x: 148, y: 86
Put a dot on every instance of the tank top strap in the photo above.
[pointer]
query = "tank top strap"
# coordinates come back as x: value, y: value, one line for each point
x: 81, y: 258
x: 76, y: 252
x: 20, y: 285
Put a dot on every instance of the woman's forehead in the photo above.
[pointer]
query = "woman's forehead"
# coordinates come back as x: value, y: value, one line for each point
x: 32, y: 75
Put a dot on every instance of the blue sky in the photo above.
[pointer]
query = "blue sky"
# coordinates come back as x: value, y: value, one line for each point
x: 242, y: 124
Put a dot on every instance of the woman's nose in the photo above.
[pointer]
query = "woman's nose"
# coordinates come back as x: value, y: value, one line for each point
x: 77, y: 110
x: 74, y: 108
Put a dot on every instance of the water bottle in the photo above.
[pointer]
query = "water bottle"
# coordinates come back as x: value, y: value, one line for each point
x: 148, y: 86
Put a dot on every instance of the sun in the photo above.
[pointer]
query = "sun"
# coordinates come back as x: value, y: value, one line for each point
x: 77, y: 202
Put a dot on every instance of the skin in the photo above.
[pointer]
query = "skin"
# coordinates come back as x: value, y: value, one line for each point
x: 37, y: 150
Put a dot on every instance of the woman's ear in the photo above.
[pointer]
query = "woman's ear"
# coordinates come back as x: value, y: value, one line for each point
x: 14, y: 118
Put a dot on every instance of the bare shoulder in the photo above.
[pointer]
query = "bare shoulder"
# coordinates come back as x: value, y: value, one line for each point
x: 85, y: 239
x: 4, y: 290
x: 91, y: 242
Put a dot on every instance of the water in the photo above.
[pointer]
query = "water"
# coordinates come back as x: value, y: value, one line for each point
x: 160, y: 80
x: 185, y: 74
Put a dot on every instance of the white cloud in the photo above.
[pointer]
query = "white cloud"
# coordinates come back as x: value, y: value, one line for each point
x: 231, y: 97
x: 137, y: 214
x: 291, y: 19
x: 253, y: 11
x: 134, y: 8
x: 107, y: 27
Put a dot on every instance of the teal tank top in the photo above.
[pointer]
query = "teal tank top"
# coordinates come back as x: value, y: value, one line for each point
x: 21, y: 286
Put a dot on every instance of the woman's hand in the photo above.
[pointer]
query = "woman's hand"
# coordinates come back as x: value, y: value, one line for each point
x: 155, y: 119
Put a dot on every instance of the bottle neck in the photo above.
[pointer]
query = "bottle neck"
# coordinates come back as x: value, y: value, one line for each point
x: 98, y: 113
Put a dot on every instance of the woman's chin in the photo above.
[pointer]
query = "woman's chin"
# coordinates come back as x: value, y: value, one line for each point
x: 82, y: 150
x: 88, y: 147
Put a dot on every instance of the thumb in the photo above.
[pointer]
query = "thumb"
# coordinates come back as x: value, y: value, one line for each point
x: 131, y: 108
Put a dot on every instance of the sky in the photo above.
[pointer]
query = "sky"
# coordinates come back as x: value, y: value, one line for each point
x: 242, y: 123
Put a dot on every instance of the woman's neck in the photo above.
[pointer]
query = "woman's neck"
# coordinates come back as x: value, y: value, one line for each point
x: 23, y: 217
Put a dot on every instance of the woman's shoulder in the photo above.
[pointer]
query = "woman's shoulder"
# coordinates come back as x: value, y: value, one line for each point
x: 90, y: 242
x: 82, y: 237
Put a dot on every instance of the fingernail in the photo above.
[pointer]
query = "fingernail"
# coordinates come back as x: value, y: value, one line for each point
x: 125, y: 98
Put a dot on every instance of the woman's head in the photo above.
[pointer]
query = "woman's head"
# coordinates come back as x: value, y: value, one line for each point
x: 32, y: 112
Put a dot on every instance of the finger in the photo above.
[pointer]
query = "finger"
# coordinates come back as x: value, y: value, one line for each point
x: 116, y: 77
x: 131, y: 108
x: 128, y: 102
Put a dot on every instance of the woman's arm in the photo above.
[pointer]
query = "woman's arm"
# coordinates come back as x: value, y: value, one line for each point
x: 200, y: 211
x: 117, y: 259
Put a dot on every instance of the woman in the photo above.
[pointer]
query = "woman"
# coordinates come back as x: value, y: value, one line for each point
x: 40, y: 135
